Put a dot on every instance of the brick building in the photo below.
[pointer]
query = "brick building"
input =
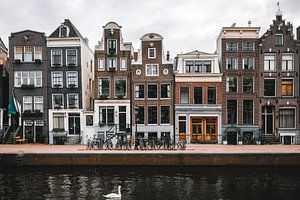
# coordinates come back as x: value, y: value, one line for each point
x: 237, y: 48
x: 152, y: 90
x: 4, y: 80
x: 198, y: 98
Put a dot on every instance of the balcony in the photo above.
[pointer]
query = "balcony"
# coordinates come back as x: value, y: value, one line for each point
x: 27, y: 86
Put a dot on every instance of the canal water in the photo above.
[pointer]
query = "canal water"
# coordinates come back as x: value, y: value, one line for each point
x: 144, y: 183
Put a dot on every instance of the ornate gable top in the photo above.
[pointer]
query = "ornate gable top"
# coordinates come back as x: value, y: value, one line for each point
x: 151, y: 37
x: 112, y: 25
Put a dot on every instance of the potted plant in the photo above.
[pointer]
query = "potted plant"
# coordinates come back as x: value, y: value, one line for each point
x: 103, y: 97
x: 29, y: 86
x: 17, y: 61
x: 38, y: 61
x: 120, y: 96
x: 71, y: 64
x: 57, y: 85
x: 112, y: 69
x: 72, y: 86
x: 58, y: 130
x: 56, y: 64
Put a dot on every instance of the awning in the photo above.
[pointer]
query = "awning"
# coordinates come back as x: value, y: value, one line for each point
x: 12, y: 106
x: 287, y: 134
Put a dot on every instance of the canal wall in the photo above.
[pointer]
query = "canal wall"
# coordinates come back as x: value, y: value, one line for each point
x: 150, y: 159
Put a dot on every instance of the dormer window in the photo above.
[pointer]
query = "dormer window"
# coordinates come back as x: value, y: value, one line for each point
x: 64, y: 31
x: 278, y: 39
x: 151, y: 52
x: 112, y: 47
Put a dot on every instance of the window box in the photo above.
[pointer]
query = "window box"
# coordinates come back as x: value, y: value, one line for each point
x: 27, y: 87
x: 72, y: 86
x: 120, y: 96
x: 112, y: 69
x: 71, y: 65
x: 17, y: 61
x: 38, y: 61
x: 58, y: 130
x: 101, y: 124
x: 56, y: 64
x: 35, y: 113
x: 103, y: 97
x: 57, y: 85
x: 72, y: 106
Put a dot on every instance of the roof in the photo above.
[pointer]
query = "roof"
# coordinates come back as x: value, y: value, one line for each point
x: 112, y: 25
x: 2, y: 46
x: 151, y: 37
x: 196, y: 52
x: 73, y: 30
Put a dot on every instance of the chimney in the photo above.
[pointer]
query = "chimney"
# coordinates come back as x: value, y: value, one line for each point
x: 86, y: 40
x: 168, y: 55
x: 298, y: 33
x: 135, y: 56
x: 249, y: 23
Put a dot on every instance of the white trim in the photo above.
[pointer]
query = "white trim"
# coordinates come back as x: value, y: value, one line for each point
x: 287, y: 78
x: 53, y: 104
x: 295, y: 116
x: 76, y: 103
x: 138, y: 84
x: 236, y: 63
x: 61, y: 54
x: 227, y: 46
x: 109, y: 79
x: 34, y: 102
x: 62, y: 77
x: 243, y: 62
x: 237, y: 111
x: 148, y: 114
x: 108, y: 64
x: 248, y: 50
x: 125, y: 62
x: 107, y: 51
x: 34, y: 54
x: 121, y: 78
x: 170, y: 91
x: 274, y: 87
x: 281, y: 39
x: 252, y: 111
x: 67, y: 64
x: 148, y: 91
x: 275, y: 66
x: 67, y: 81
x: 103, y: 64
x: 149, y: 49
x: 293, y: 62
x: 32, y: 51
x: 253, y: 84
x: 152, y: 65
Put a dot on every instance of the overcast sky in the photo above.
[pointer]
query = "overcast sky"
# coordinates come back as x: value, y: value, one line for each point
x: 186, y: 25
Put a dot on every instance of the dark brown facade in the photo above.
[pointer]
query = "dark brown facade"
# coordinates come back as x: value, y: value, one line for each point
x: 152, y: 90
x: 4, y: 89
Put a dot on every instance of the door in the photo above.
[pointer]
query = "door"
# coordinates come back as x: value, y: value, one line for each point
x: 287, y: 139
x: 196, y: 129
x: 28, y: 131
x: 182, y: 128
x: 268, y: 119
x: 232, y: 137
x: 122, y: 118
x: 74, y: 124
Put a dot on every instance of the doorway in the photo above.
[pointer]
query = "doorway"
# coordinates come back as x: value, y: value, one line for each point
x: 232, y: 137
x: 122, y: 118
x: 182, y: 128
x: 268, y: 119
x: 74, y: 124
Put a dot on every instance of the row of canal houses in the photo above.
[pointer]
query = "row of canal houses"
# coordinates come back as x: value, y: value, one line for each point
x: 62, y: 92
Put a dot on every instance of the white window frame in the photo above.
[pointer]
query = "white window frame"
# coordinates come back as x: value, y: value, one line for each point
x: 53, y: 103
x: 169, y: 91
x: 29, y: 78
x: 253, y: 84
x: 115, y: 81
x: 269, y: 69
x: 101, y: 64
x: 247, y: 47
x: 52, y: 79
x: 283, y: 63
x: 281, y: 39
x: 19, y: 78
x: 38, y: 102
x: 61, y: 54
x: 149, y: 49
x: 67, y: 80
x: 123, y: 64
x: 24, y: 102
x: 227, y: 84
x: 24, y: 50
x: 274, y: 87
x: 40, y: 53
x: 236, y: 63
x: 18, y: 56
x: 288, y: 78
x: 135, y: 87
x: 227, y: 46
x: 151, y: 65
x: 67, y: 63
x: 116, y: 45
x: 295, y: 116
x: 100, y: 80
x: 76, y: 103
x: 114, y: 66
x: 253, y: 63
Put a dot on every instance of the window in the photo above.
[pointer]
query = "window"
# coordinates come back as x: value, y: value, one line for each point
x: 71, y: 57
x: 152, y: 115
x: 248, y: 112
x: 231, y: 84
x: 101, y: 66
x: 269, y: 87
x: 38, y: 103
x: 231, y: 112
x: 197, y: 95
x: 139, y: 91
x: 73, y: 101
x: 165, y: 91
x: 89, y: 120
x: 112, y: 63
x: 248, y: 46
x: 56, y: 57
x: 63, y: 31
x: 287, y: 87
x: 198, y: 66
x: 28, y: 54
x: 18, y: 53
x: 120, y: 87
x: 104, y: 87
x: 248, y: 84
x: 248, y: 63
x: 269, y: 62
x: 231, y: 46
x: 57, y: 79
x: 278, y: 39
x: 140, y: 115
x: 184, y: 95
x: 123, y: 64
x: 112, y: 47
x: 28, y: 78
x: 151, y: 70
x: 152, y: 91
x: 231, y: 63
x: 57, y: 101
x: 38, y: 53
x: 72, y: 79
x: 211, y: 95
x: 58, y: 121
x: 151, y: 52
x: 287, y: 118
x: 165, y: 114
x: 27, y: 103
x: 287, y: 62
x: 189, y: 66
x: 110, y: 115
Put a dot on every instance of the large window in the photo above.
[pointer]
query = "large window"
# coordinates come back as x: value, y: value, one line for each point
x: 189, y: 66
x: 248, y: 46
x: 211, y: 95
x: 231, y: 63
x: 165, y: 114
x: 38, y: 103
x: 38, y: 53
x: 152, y: 70
x: 56, y: 57
x: 248, y: 63
x: 120, y: 87
x: 198, y: 66
x: 106, y: 115
x: 72, y: 79
x: 278, y: 39
x: 73, y: 101
x: 287, y: 88
x: 104, y: 87
x: 101, y: 66
x: 269, y: 87
x: 197, y: 95
x: 112, y: 47
x: 231, y: 46
x: 139, y: 91
x: 287, y: 118
x: 152, y: 91
x: 71, y: 57
x: 287, y: 62
x: 231, y: 111
x: 248, y: 84
x: 247, y: 112
x: 123, y: 65
x: 58, y: 121
x: 151, y: 52
x: 165, y: 91
x: 152, y: 115
x: 28, y: 54
x: 140, y: 115
x: 269, y: 62
x: 112, y: 64
x: 28, y: 78
x: 27, y: 103
x: 231, y: 84
x: 18, y: 53
x: 57, y: 79
x: 184, y: 95
x: 57, y: 101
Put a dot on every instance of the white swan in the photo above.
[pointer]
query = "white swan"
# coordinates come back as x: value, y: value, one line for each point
x: 114, y: 195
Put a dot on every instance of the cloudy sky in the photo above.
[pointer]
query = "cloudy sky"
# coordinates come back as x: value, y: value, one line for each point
x: 186, y: 25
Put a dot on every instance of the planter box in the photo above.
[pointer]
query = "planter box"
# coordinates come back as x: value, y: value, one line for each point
x: 225, y: 142
x: 27, y: 87
x: 17, y: 61
x: 38, y: 61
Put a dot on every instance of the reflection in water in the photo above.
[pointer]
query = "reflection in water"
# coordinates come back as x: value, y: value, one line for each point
x: 151, y: 182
